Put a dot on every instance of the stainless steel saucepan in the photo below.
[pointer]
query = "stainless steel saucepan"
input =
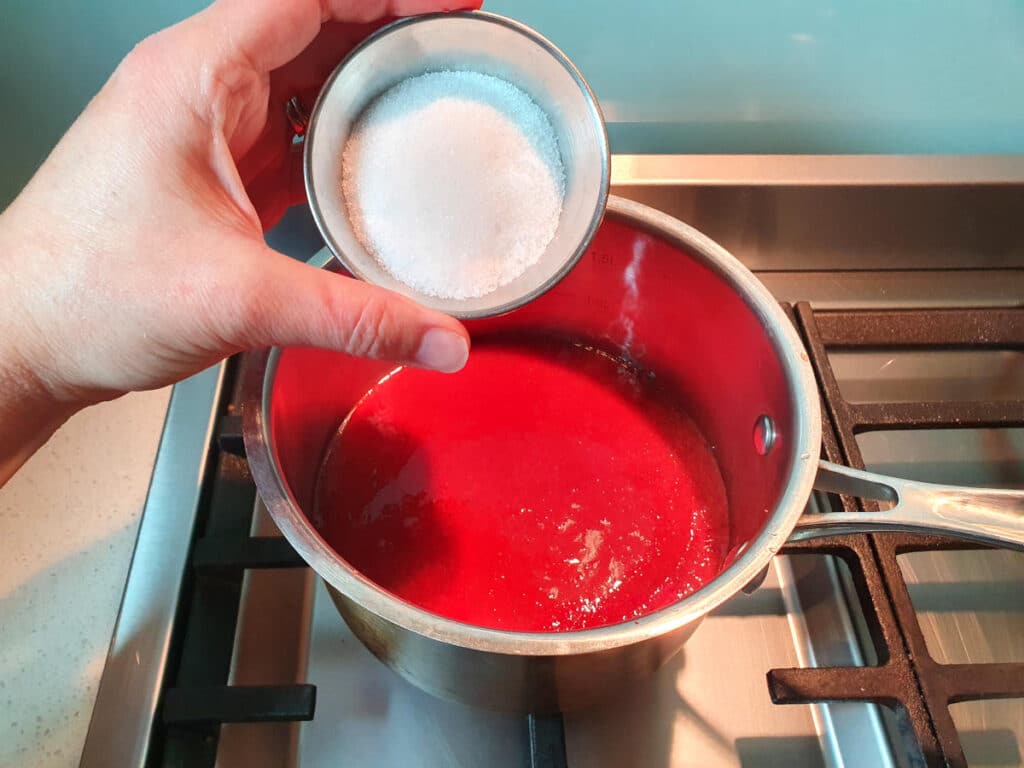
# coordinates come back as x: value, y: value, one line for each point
x: 680, y: 305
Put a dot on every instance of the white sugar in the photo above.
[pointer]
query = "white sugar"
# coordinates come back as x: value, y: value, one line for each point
x: 453, y: 182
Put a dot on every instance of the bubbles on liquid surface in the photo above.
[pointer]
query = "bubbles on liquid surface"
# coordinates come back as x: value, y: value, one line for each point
x: 530, y: 513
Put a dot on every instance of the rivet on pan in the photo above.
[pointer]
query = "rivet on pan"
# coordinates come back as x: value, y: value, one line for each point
x: 298, y: 117
x: 764, y: 435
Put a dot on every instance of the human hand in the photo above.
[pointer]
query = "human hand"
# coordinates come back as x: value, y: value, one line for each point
x: 135, y: 256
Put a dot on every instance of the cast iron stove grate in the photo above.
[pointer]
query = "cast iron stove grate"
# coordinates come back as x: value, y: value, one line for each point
x: 197, y: 699
x: 907, y: 678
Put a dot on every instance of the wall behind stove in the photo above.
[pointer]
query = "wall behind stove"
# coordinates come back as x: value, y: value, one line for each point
x: 55, y: 55
x: 728, y: 76
x: 797, y: 76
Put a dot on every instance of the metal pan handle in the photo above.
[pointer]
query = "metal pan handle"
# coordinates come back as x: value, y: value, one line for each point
x: 986, y: 515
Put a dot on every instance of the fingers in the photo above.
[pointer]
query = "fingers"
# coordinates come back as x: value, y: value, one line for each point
x: 270, y: 33
x: 286, y: 303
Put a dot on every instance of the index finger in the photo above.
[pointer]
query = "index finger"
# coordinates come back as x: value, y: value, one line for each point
x: 269, y: 33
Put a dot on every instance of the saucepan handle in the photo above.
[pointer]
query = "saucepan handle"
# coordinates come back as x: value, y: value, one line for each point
x: 986, y: 515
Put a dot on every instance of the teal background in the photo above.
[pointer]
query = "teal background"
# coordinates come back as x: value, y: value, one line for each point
x: 693, y: 76
x: 798, y: 76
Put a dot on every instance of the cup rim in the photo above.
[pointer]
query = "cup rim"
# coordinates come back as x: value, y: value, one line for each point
x: 484, y: 17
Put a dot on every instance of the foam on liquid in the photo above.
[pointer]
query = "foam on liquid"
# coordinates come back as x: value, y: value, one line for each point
x: 545, y: 487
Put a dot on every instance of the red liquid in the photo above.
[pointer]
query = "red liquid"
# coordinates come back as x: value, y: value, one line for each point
x: 546, y: 487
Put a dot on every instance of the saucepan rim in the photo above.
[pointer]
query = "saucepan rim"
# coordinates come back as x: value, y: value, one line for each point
x: 803, y: 445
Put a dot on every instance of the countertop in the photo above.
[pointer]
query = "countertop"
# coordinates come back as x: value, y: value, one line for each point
x: 68, y: 521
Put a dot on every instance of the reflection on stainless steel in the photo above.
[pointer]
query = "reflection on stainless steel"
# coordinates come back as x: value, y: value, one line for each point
x: 706, y: 710
x: 969, y: 603
x: 368, y: 716
x: 816, y: 170
x: 127, y: 699
x: 971, y: 608
x: 906, y: 289
x: 698, y: 711
x: 819, y: 610
x: 991, y: 732
x: 972, y: 457
x: 852, y: 228
x: 987, y: 515
x: 271, y: 647
x: 900, y: 376
x: 842, y: 246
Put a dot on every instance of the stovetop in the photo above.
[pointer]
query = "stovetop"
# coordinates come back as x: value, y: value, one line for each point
x: 222, y: 625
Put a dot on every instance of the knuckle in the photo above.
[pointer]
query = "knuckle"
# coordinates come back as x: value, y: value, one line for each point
x: 254, y: 314
x: 374, y: 329
x: 230, y: 310
x: 141, y: 62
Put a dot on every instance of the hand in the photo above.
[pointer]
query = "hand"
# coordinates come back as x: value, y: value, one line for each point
x: 135, y: 256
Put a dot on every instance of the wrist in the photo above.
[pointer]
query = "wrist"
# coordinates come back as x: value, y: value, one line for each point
x: 32, y: 405
x: 29, y: 412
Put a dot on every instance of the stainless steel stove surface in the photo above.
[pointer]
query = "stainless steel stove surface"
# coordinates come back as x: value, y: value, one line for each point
x: 708, y: 707
x: 841, y: 233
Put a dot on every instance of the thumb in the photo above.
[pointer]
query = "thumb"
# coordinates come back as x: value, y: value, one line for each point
x: 288, y: 303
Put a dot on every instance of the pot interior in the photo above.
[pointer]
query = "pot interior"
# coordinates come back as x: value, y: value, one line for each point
x: 661, y: 304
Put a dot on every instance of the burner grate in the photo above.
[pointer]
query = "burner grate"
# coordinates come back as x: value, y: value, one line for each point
x: 198, y: 699
x: 908, y: 677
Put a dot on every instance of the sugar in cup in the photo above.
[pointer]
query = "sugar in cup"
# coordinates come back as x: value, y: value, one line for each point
x: 459, y: 159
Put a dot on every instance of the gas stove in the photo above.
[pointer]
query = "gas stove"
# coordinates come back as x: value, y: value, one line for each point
x: 905, y: 277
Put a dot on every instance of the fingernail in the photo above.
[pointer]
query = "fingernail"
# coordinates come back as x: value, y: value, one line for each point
x: 442, y: 350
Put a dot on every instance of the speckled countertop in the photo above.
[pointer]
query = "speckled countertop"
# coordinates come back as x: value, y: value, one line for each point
x: 68, y: 521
